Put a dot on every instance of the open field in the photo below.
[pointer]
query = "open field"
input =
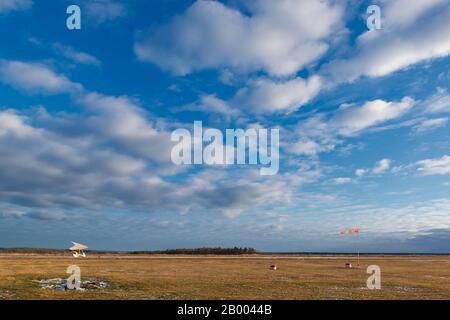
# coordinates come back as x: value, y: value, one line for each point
x: 228, y: 277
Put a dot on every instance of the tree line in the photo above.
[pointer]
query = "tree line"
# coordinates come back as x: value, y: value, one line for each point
x: 192, y: 251
x: 217, y: 250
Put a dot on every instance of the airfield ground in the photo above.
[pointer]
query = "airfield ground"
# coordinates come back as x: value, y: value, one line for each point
x: 228, y: 277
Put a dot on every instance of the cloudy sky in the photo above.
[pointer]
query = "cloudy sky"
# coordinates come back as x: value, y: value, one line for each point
x: 86, y: 118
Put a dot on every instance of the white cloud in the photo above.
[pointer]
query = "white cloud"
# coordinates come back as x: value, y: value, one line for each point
x: 438, y: 102
x: 382, y: 166
x: 113, y: 155
x: 119, y: 119
x: 122, y: 121
x: 12, y: 5
x: 351, y: 119
x: 323, y: 132
x: 381, y: 52
x: 342, y: 180
x: 438, y: 166
x: 227, y: 77
x: 11, y: 122
x: 76, y: 56
x: 261, y: 96
x: 102, y: 11
x: 210, y: 103
x: 269, y: 96
x: 68, y: 164
x: 308, y: 147
x: 64, y: 161
x: 35, y: 78
x: 305, y: 147
x: 278, y: 37
x: 402, y: 13
x: 430, y: 124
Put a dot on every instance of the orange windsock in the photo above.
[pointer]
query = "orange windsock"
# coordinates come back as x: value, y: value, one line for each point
x: 354, y: 230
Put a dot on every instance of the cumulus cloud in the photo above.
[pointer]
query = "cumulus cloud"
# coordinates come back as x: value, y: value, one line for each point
x: 35, y: 78
x: 278, y: 37
x: 113, y: 155
x: 402, y: 13
x: 323, y: 132
x: 382, y: 166
x: 13, y: 5
x: 351, y: 119
x: 76, y: 56
x: 124, y: 123
x: 103, y: 11
x: 106, y: 149
x: 270, y: 96
x: 360, y: 172
x: 261, y: 96
x: 210, y: 103
x: 439, y: 166
x: 308, y: 147
x: 45, y: 168
x: 282, y: 38
x: 230, y: 197
x: 399, y: 45
x: 38, y: 162
x: 120, y: 120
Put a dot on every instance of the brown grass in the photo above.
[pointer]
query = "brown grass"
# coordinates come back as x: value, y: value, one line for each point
x: 218, y: 277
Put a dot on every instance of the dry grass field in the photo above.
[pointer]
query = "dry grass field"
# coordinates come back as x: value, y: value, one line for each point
x: 227, y: 277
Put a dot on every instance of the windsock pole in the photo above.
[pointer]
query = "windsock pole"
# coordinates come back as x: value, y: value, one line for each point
x: 351, y: 231
x: 357, y: 245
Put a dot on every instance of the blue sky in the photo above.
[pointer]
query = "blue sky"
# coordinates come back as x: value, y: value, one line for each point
x: 86, y: 118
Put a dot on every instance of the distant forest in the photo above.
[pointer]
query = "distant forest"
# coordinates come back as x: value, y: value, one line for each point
x: 218, y: 250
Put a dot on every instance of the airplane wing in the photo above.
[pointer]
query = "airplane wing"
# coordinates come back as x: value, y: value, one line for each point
x: 78, y: 246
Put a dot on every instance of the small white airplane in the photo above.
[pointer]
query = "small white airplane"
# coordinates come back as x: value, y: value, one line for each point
x: 77, y: 250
